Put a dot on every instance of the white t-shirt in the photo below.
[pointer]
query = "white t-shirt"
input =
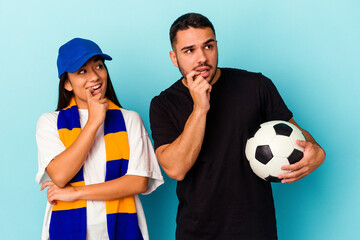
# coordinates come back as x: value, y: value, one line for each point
x: 142, y: 162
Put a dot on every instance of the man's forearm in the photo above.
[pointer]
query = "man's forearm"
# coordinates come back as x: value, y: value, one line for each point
x: 178, y: 157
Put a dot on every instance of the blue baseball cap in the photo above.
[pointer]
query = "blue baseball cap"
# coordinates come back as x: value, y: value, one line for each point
x: 75, y: 53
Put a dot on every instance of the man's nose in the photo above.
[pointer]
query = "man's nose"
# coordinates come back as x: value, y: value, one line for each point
x: 201, y: 56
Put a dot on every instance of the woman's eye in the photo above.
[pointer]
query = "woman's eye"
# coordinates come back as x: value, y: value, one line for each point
x: 82, y: 71
x: 100, y: 66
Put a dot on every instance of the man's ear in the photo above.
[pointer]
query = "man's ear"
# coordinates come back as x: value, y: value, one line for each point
x: 68, y: 85
x: 173, y: 58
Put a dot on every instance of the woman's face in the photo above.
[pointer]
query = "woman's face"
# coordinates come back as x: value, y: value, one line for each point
x: 92, y: 75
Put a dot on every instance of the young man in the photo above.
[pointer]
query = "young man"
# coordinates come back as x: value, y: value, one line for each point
x: 200, y: 126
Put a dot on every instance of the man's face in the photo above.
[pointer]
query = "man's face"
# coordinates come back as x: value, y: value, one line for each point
x: 196, y: 50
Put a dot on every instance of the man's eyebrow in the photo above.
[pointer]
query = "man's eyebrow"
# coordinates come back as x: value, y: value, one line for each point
x: 187, y: 47
x: 192, y: 46
x: 209, y: 41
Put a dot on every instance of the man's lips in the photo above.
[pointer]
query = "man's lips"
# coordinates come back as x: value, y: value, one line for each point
x: 203, y: 71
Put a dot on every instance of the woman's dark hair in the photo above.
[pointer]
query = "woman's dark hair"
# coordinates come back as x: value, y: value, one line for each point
x: 65, y: 95
x: 188, y: 20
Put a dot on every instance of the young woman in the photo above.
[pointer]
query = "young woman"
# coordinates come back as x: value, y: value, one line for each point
x: 94, y: 156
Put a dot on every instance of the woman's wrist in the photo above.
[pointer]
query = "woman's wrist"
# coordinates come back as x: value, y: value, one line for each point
x: 77, y: 193
x: 92, y: 125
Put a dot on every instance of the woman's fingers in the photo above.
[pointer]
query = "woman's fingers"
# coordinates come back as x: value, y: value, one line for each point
x: 46, y: 184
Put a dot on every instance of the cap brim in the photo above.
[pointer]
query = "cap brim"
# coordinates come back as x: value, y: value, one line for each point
x: 81, y: 61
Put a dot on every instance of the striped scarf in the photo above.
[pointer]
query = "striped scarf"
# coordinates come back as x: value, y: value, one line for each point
x: 68, y: 219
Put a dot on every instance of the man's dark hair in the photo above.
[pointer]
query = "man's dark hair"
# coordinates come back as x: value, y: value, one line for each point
x: 186, y: 21
x: 65, y: 95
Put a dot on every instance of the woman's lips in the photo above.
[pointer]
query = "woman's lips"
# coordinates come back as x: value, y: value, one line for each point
x: 96, y: 89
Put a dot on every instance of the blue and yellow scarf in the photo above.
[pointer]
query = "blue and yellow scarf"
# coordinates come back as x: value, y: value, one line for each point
x: 68, y: 219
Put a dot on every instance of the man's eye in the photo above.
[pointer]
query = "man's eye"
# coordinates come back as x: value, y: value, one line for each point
x: 208, y: 46
x: 189, y: 51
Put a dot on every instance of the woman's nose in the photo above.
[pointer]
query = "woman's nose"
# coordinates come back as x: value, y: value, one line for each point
x: 93, y: 76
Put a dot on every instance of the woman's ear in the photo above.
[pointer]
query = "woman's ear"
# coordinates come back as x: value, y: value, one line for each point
x: 68, y: 85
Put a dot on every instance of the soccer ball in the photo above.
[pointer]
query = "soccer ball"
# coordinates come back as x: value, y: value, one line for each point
x: 272, y: 146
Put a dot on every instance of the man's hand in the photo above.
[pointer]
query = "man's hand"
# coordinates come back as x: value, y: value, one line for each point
x: 314, y: 156
x: 178, y: 157
x: 200, y: 91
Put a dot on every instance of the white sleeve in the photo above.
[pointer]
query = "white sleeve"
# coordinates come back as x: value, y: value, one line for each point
x: 48, y: 143
x: 142, y: 160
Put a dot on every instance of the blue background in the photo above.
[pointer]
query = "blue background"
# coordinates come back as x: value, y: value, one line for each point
x: 310, y: 49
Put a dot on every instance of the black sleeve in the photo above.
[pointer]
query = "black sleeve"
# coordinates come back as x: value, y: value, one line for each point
x: 273, y: 106
x: 162, y: 128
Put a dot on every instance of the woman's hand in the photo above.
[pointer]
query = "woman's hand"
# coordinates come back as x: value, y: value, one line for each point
x: 54, y: 193
x: 97, y: 107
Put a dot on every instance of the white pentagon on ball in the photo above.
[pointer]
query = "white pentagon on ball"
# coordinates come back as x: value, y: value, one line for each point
x: 273, y: 146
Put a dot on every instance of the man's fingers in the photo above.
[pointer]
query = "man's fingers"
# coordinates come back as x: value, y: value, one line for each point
x: 292, y: 174
x: 301, y: 143
x: 202, y: 84
x: 293, y: 167
x: 199, y: 85
x: 191, y: 77
x: 293, y: 179
x: 200, y: 79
